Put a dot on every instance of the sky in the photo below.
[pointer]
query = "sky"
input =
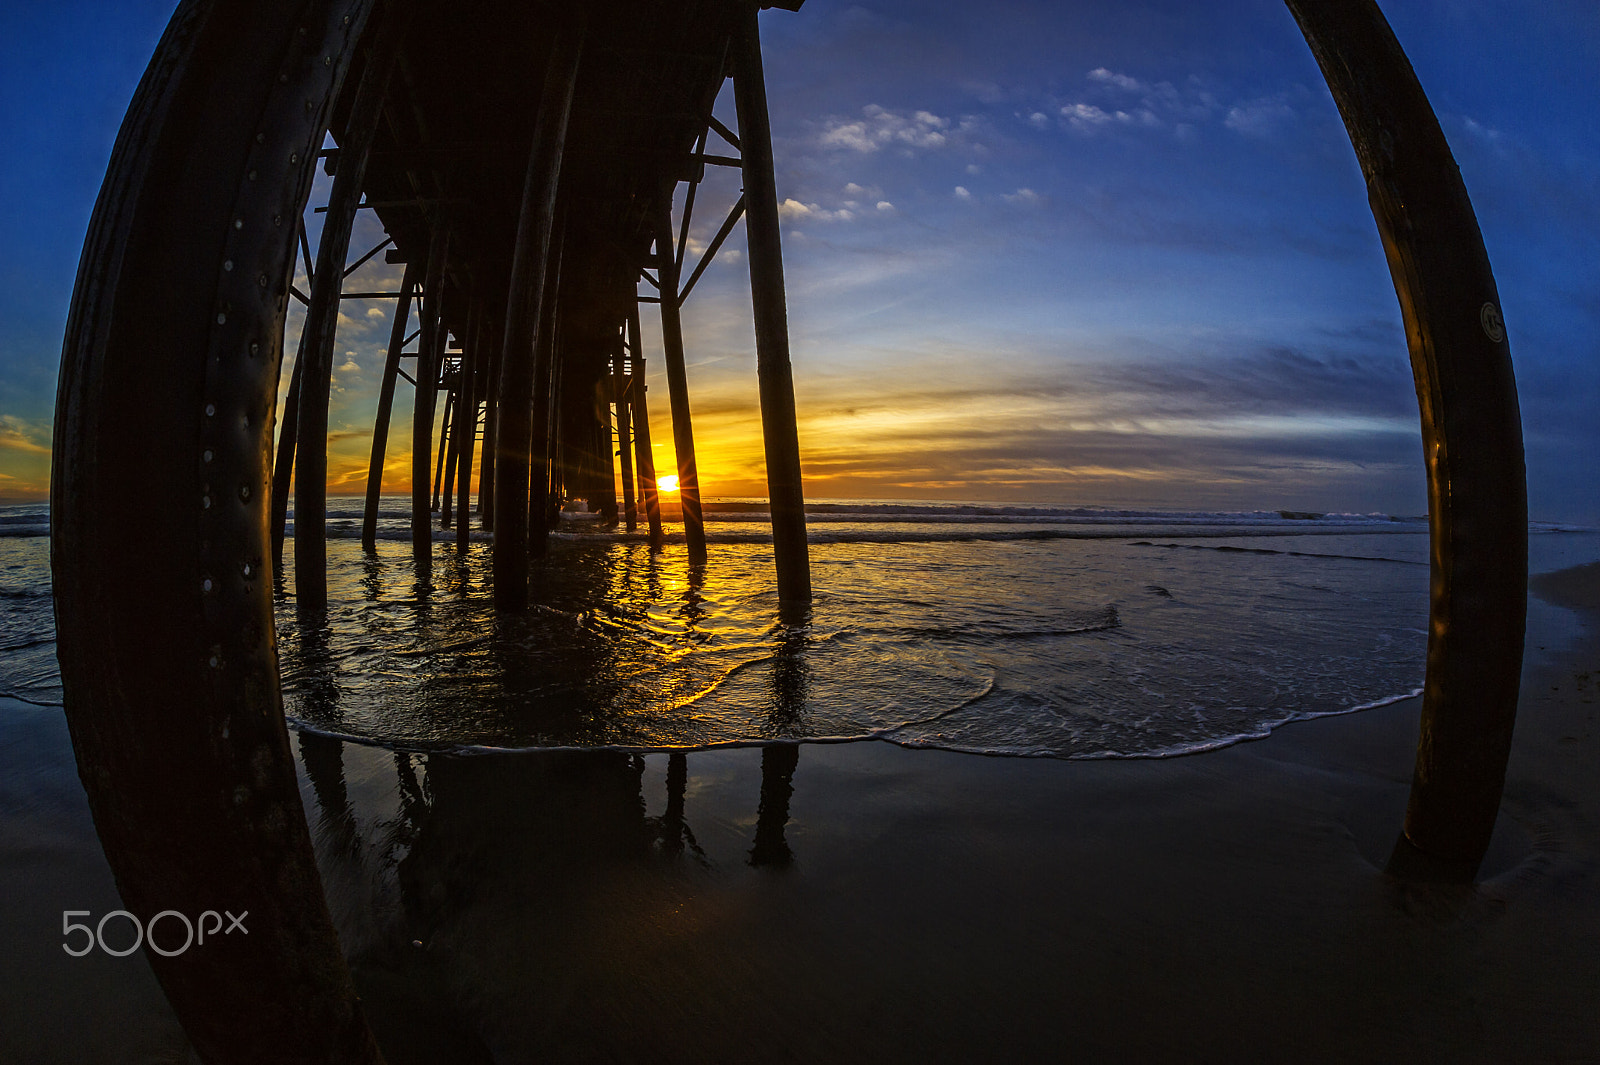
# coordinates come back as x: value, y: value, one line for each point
x: 1101, y: 254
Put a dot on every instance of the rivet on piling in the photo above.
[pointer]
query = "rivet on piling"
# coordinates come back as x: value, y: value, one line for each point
x: 205, y: 585
x: 261, y: 138
x: 251, y: 175
x: 222, y: 317
x: 211, y: 410
x: 227, y: 264
x: 261, y: 280
x: 208, y: 455
x: 214, y: 661
x: 254, y: 347
x: 247, y: 569
x: 205, y: 502
x: 327, y: 60
x: 238, y: 223
x: 294, y: 157
x: 244, y: 491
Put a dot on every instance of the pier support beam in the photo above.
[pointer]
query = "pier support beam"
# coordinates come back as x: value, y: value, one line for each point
x: 1471, y: 434
x: 530, y: 261
x: 283, y: 464
x: 467, y: 426
x: 322, y: 317
x: 622, y: 391
x: 430, y: 343
x: 380, y: 423
x: 694, y: 529
x: 778, y: 424
x: 643, y: 452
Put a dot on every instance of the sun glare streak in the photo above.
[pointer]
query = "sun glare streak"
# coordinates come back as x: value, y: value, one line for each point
x: 669, y: 483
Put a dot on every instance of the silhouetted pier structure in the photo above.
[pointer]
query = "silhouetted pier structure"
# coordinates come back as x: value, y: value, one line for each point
x: 522, y: 158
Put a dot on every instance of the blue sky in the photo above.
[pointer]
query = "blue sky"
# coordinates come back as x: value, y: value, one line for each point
x: 1067, y: 252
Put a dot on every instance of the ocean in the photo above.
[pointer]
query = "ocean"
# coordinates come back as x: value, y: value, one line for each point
x: 991, y: 628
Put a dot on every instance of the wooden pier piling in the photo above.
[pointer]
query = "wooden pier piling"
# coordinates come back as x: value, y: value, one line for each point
x: 380, y: 422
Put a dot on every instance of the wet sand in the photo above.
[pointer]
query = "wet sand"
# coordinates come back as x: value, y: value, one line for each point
x: 1218, y: 907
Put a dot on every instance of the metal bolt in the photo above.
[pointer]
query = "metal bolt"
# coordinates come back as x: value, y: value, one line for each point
x: 254, y: 347
x: 261, y: 280
x: 251, y: 175
x: 205, y: 502
x: 244, y: 491
x: 238, y: 223
x: 222, y: 317
x: 247, y: 569
x: 206, y: 584
x: 227, y: 264
x: 211, y: 409
x: 208, y: 456
x: 294, y: 157
x: 214, y: 661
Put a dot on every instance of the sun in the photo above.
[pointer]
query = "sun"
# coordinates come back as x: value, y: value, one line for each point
x: 669, y: 483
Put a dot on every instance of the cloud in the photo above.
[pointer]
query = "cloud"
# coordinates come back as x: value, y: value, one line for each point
x: 1127, y: 101
x: 962, y: 193
x: 1022, y: 197
x: 32, y: 438
x: 1120, y: 81
x: 878, y: 127
x: 1259, y: 118
x: 795, y: 211
x: 376, y: 312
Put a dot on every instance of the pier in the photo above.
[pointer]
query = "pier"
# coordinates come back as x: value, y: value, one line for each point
x: 524, y: 161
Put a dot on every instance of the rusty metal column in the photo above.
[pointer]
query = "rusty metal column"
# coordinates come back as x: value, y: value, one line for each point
x: 641, y: 432
x: 694, y: 529
x: 322, y: 316
x: 778, y: 424
x: 622, y: 389
x: 530, y: 262
x: 380, y: 424
x: 166, y: 641
x: 427, y: 397
x: 1471, y: 434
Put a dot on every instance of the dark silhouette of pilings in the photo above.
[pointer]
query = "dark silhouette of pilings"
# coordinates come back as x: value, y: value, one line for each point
x: 490, y: 335
x: 641, y: 431
x: 430, y: 343
x: 622, y: 391
x: 1471, y: 434
x: 469, y: 428
x: 444, y: 444
x: 778, y: 424
x: 322, y: 319
x: 694, y: 529
x: 545, y: 486
x: 515, y: 431
x: 283, y: 464
x: 380, y: 423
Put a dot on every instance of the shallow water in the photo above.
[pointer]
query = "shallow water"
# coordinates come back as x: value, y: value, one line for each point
x: 980, y: 628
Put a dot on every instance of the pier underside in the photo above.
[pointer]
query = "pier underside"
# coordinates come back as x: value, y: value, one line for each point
x: 524, y: 160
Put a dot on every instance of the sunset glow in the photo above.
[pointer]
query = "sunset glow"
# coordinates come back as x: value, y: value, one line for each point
x: 669, y: 483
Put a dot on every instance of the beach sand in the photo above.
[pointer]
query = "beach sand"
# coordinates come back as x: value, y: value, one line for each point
x: 1226, y: 906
